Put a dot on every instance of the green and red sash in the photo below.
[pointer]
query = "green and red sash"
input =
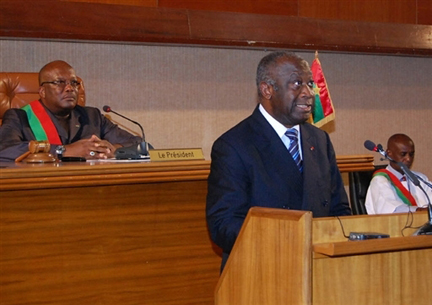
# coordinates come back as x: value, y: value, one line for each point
x: 401, y: 191
x: 41, y: 124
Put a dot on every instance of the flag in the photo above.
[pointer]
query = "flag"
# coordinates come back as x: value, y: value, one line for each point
x: 323, y: 112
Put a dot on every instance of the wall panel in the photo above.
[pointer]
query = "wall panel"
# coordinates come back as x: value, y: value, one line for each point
x: 147, y: 3
x: 274, y: 7
x: 394, y: 11
x: 60, y: 20
x: 424, y: 12
x: 400, y: 11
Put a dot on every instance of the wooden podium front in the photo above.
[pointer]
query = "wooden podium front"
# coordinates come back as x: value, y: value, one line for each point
x: 288, y: 257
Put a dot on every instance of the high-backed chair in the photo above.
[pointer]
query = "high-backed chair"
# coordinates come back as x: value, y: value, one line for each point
x: 358, y: 186
x: 17, y: 89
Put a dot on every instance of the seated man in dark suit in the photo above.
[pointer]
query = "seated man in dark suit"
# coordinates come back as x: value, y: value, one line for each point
x: 274, y: 158
x: 72, y: 130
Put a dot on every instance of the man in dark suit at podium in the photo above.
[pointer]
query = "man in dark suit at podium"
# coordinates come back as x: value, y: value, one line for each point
x: 274, y: 158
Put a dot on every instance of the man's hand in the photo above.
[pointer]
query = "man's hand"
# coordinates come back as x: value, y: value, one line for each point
x: 93, y: 148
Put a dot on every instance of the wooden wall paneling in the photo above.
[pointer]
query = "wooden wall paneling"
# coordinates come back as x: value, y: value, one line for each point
x: 400, y: 11
x: 147, y: 3
x: 144, y: 25
x: 307, y: 33
x: 115, y: 23
x: 273, y: 7
x: 424, y: 10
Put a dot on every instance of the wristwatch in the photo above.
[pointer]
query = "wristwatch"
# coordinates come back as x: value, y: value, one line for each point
x: 60, y: 149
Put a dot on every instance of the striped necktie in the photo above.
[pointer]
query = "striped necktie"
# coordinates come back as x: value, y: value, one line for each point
x: 293, y: 148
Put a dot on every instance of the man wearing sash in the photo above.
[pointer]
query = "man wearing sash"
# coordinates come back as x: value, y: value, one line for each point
x: 71, y: 129
x: 390, y: 191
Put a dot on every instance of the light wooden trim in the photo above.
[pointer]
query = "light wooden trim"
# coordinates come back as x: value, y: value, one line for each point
x: 28, y: 176
x: 351, y: 163
x: 20, y: 176
x: 373, y: 245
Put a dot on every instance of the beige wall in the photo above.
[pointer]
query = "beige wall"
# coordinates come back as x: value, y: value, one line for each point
x: 188, y: 96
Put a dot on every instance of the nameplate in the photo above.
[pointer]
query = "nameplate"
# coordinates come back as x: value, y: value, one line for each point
x: 176, y: 154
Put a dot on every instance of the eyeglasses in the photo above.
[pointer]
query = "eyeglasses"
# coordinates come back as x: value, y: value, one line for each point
x: 62, y: 83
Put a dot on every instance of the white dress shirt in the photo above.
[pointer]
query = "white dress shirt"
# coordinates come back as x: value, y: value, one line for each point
x: 281, y: 129
x: 381, y: 197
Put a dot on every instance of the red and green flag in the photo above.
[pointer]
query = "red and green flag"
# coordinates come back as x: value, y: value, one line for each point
x: 323, y: 111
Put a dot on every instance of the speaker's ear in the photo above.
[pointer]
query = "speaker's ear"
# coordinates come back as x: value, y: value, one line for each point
x: 266, y: 90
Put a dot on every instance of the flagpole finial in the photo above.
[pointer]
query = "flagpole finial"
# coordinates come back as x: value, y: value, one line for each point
x: 316, y: 54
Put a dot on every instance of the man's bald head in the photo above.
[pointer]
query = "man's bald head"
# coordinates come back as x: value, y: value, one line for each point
x: 46, y: 70
x: 400, y: 148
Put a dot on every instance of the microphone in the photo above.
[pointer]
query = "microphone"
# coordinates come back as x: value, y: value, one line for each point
x: 426, y: 229
x: 370, y: 145
x: 377, y: 148
x: 139, y: 151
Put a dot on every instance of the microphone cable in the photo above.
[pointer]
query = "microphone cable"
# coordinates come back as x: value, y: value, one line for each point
x: 342, y: 227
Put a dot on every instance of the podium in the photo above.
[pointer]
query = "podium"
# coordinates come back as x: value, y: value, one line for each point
x: 288, y: 257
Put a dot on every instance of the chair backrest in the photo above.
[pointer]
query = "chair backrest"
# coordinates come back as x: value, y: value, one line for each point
x: 358, y: 186
x: 17, y: 89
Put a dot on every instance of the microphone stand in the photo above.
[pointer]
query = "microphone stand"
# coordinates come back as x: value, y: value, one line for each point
x: 424, y: 181
x: 140, y: 151
x: 425, y: 229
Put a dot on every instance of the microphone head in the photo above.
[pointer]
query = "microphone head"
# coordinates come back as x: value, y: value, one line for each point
x: 369, y: 145
x: 106, y: 108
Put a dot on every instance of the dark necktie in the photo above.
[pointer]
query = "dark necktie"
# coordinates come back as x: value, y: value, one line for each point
x: 294, y: 147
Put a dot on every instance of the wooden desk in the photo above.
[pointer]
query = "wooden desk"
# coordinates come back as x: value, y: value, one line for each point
x: 104, y: 233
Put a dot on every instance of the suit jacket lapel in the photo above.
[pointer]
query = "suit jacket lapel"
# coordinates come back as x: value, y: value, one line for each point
x: 74, y: 127
x: 309, y: 144
x: 74, y: 124
x: 276, y: 158
x: 311, y: 165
